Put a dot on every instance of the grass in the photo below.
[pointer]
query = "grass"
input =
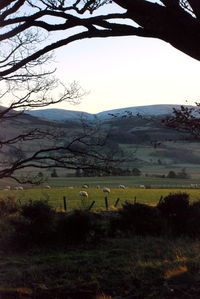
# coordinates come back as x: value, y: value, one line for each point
x: 55, y: 196
x: 144, y: 267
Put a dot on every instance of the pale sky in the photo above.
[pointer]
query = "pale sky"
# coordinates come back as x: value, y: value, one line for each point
x: 124, y: 72
x: 128, y: 71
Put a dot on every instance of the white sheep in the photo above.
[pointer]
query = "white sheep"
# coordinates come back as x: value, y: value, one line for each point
x: 142, y: 186
x: 70, y: 187
x: 106, y: 190
x: 83, y: 194
x: 7, y: 188
x: 20, y: 188
x: 86, y: 186
x: 48, y: 187
x: 122, y: 187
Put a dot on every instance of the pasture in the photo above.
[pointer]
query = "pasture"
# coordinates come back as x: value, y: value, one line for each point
x: 74, y: 201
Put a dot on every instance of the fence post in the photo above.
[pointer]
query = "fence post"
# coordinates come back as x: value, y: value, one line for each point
x: 91, y: 205
x: 106, y: 202
x: 65, y: 203
x: 117, y: 201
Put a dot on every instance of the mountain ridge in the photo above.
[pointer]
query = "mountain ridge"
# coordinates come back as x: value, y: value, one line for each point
x: 64, y: 114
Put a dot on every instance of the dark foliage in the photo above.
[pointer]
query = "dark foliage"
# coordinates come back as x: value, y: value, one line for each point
x: 175, y: 209
x: 77, y: 227
x: 141, y: 219
x: 8, y: 206
x: 193, y: 221
x: 37, y: 225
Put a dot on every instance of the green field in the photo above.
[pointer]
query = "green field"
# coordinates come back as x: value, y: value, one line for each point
x: 55, y: 196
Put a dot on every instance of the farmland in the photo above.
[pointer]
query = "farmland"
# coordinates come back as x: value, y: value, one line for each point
x: 56, y: 194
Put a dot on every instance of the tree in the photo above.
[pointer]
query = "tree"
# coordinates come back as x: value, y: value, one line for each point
x: 26, y: 83
x: 136, y: 172
x: 171, y: 175
x: 54, y: 173
x: 175, y: 22
x: 26, y: 50
x: 185, y: 119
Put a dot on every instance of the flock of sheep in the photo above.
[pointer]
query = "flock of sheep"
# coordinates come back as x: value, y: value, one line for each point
x: 105, y: 190
x: 82, y: 193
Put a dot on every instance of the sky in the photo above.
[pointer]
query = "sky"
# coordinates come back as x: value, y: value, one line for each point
x: 128, y: 71
x: 121, y: 72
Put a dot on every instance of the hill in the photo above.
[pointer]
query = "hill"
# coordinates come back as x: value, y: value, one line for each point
x: 64, y: 115
x: 143, y: 140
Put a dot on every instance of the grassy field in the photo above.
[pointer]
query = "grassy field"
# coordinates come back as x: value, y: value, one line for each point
x: 55, y: 196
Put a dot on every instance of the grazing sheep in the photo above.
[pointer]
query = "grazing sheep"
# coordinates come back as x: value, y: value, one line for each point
x: 122, y: 187
x: 194, y: 185
x: 70, y: 187
x: 20, y: 188
x: 106, y: 190
x: 83, y: 194
x: 7, y: 188
x: 48, y: 187
x: 86, y: 186
x: 98, y: 187
x: 142, y: 186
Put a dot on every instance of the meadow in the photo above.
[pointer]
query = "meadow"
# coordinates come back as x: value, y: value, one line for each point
x: 55, y: 196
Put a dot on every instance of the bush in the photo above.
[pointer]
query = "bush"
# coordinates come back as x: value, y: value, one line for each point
x: 8, y: 206
x: 175, y: 208
x: 37, y: 225
x: 77, y: 227
x: 38, y: 211
x: 193, y: 222
x: 141, y: 219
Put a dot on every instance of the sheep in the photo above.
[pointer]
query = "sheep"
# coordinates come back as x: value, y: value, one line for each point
x: 142, y: 186
x: 98, y: 187
x: 122, y: 187
x: 194, y: 185
x: 7, y: 188
x: 106, y: 190
x: 83, y: 194
x: 70, y: 187
x: 48, y: 187
x: 86, y: 186
x: 20, y: 188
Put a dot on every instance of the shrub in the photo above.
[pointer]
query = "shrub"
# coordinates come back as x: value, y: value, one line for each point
x: 38, y: 211
x: 77, y: 227
x: 8, y: 206
x: 193, y: 221
x: 175, y: 208
x: 141, y: 219
x: 6, y: 233
x: 37, y: 225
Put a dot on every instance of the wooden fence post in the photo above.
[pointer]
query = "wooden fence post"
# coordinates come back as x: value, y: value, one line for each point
x: 106, y: 202
x: 65, y: 203
x: 91, y: 205
x: 117, y: 201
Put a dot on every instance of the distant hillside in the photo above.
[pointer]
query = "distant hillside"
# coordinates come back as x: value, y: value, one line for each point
x: 60, y: 114
x: 144, y: 140
x: 65, y: 115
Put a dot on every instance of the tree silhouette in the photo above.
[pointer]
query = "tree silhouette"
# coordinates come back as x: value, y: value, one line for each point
x: 175, y: 22
x: 31, y: 30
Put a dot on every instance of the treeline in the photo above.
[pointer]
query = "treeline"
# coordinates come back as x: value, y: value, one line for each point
x: 112, y: 171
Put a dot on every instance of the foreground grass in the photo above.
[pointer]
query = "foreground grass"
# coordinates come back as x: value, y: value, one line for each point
x: 137, y: 267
